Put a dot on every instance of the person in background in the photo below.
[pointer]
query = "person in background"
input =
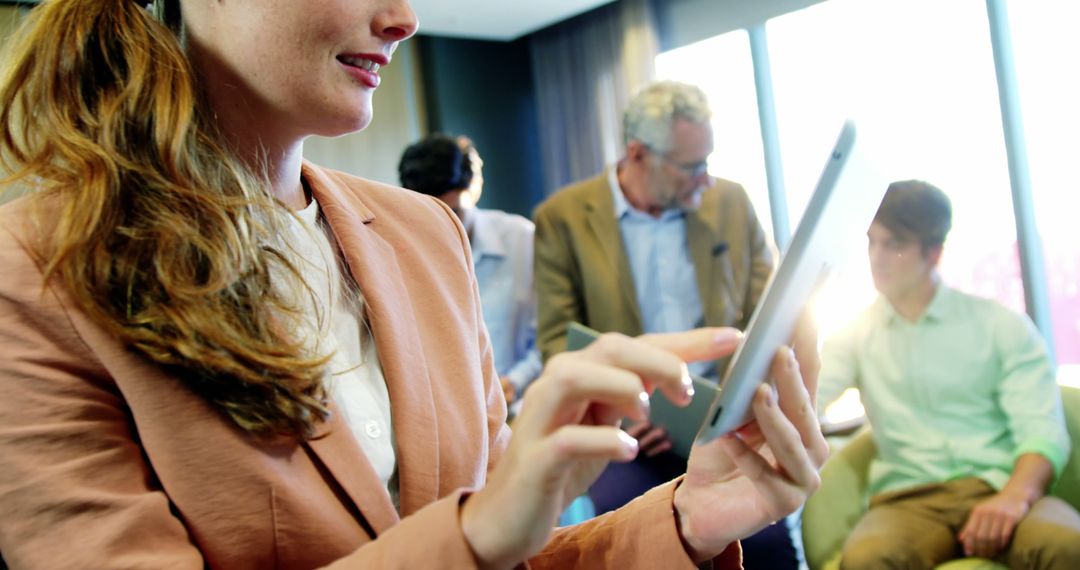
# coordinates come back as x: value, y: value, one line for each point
x: 214, y: 354
x: 655, y: 244
x: 502, y: 247
x: 966, y: 415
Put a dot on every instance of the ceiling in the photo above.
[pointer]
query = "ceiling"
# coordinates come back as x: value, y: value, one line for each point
x: 494, y: 19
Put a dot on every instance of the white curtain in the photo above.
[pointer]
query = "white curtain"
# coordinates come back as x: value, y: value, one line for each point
x: 585, y: 71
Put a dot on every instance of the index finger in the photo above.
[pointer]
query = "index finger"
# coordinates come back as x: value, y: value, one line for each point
x: 657, y: 367
x: 698, y: 344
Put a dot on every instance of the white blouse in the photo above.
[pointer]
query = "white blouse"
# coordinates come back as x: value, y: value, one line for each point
x: 356, y: 380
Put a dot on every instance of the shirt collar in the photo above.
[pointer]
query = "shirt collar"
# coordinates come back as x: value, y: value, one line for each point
x: 484, y: 238
x: 939, y: 306
x: 936, y: 311
x: 623, y: 207
x: 617, y: 197
x: 310, y: 213
x: 884, y: 312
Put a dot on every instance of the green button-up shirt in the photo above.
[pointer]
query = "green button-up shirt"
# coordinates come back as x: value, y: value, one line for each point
x: 962, y: 392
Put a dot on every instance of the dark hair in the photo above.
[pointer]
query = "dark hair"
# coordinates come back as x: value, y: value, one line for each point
x: 435, y: 165
x: 916, y: 208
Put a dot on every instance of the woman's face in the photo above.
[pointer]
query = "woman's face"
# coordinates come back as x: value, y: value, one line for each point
x: 291, y: 68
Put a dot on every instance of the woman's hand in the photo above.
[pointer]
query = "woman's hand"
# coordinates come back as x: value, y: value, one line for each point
x: 568, y: 430
x: 740, y: 483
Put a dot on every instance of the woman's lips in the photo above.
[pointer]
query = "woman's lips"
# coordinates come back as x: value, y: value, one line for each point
x: 363, y: 68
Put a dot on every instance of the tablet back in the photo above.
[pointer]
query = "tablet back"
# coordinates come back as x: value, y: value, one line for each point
x: 841, y: 209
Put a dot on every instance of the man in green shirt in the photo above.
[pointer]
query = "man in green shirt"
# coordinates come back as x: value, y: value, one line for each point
x: 966, y: 415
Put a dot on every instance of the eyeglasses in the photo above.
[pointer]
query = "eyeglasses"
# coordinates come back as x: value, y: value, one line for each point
x: 691, y: 170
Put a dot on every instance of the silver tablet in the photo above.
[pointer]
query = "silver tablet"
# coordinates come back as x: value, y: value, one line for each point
x: 840, y: 210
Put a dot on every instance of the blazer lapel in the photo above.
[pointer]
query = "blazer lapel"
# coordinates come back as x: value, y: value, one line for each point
x: 707, y: 250
x: 337, y: 449
x: 372, y: 263
x: 605, y: 228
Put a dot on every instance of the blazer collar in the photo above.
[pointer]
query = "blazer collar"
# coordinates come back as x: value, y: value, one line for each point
x: 373, y: 264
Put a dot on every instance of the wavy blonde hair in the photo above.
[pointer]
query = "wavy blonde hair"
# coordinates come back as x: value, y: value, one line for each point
x: 155, y: 229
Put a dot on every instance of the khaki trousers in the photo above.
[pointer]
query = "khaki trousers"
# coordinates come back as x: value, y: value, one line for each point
x: 916, y: 528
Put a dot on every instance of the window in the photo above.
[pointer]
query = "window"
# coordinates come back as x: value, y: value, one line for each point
x: 722, y: 67
x: 922, y: 72
x: 1046, y: 48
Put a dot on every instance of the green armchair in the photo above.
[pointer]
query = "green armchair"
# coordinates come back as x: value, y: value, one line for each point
x: 831, y: 513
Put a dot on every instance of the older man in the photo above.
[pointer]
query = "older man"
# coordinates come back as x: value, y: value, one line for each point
x: 653, y: 244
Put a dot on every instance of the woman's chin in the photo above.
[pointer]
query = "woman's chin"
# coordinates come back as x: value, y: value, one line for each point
x: 342, y: 128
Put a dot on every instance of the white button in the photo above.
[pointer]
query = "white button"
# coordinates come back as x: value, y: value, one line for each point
x: 372, y: 429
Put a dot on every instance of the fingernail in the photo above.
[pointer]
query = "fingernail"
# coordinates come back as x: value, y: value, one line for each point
x: 770, y: 396
x: 644, y: 404
x: 791, y: 362
x: 727, y: 336
x: 629, y: 445
x: 687, y: 382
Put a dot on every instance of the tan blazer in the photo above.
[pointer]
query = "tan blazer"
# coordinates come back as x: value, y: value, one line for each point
x: 583, y: 273
x: 107, y: 461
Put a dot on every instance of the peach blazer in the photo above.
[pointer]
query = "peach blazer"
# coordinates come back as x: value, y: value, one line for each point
x: 107, y: 460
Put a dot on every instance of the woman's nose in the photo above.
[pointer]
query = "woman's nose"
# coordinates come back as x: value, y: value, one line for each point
x: 397, y: 21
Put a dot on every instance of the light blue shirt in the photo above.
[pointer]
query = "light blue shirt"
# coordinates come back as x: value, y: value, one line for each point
x: 665, y: 280
x: 962, y: 392
x: 502, y: 246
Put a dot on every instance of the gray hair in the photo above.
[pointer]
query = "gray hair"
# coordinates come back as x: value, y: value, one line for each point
x: 652, y: 111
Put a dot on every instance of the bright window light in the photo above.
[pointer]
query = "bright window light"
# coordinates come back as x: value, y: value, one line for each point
x: 847, y: 411
x: 921, y: 74
x: 1046, y: 47
x: 721, y: 66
